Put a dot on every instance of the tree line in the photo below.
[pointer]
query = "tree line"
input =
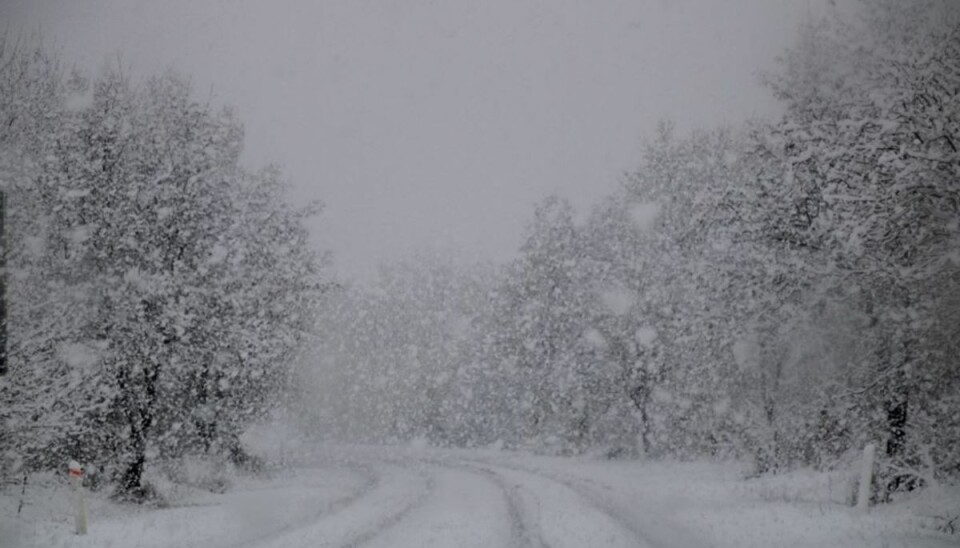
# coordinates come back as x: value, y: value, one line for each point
x: 784, y: 291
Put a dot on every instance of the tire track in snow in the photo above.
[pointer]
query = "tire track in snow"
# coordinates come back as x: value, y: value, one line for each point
x: 370, y: 481
x: 649, y: 532
x: 361, y: 518
x: 588, y: 497
x: 524, y: 525
x: 381, y: 526
x: 537, y: 503
x: 468, y: 508
x: 357, y: 520
x: 524, y: 518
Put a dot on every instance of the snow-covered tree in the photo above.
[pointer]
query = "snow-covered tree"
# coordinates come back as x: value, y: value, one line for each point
x: 861, y: 175
x: 541, y: 332
x: 669, y: 245
x: 179, y: 285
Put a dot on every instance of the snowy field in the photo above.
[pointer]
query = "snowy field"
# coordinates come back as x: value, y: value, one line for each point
x: 398, y: 497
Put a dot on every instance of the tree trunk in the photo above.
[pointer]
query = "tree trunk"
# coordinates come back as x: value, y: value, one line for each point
x: 3, y: 287
x: 640, y: 395
x: 131, y: 482
x: 896, y: 407
x: 140, y: 415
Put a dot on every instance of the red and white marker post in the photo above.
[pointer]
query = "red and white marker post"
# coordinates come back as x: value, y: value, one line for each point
x: 76, y: 484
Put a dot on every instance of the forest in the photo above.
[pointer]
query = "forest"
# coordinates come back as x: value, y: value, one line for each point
x: 783, y: 292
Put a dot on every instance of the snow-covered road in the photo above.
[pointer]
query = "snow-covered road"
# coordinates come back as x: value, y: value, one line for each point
x: 397, y: 497
x: 450, y: 500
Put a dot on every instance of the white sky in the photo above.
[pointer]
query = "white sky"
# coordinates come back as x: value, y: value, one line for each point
x: 439, y: 123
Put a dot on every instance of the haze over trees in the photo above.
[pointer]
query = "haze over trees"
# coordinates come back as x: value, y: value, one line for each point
x: 784, y: 292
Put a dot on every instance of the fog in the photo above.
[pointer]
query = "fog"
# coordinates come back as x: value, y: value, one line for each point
x: 501, y: 273
x: 425, y: 124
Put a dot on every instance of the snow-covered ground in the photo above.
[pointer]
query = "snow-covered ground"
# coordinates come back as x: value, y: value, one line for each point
x: 397, y: 497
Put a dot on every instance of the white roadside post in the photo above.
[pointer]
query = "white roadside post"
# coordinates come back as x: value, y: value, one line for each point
x: 866, y: 477
x: 76, y: 483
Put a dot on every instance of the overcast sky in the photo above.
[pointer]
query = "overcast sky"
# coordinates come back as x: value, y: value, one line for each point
x: 439, y: 123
